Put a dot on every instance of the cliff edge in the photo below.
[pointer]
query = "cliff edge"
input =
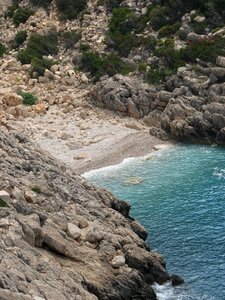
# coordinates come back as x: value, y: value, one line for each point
x: 62, y: 238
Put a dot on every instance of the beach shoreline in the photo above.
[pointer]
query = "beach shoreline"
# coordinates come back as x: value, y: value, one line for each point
x: 90, y: 141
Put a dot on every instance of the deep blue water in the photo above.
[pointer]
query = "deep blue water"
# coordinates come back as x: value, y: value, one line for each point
x: 179, y: 196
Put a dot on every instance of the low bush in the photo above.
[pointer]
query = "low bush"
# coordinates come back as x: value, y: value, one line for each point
x: 11, y: 9
x: 3, y: 203
x: 156, y: 75
x: 70, y: 9
x: 41, y: 3
x: 168, y: 30
x: 20, y: 38
x: 70, y: 38
x: 39, y: 65
x: 2, y: 49
x: 111, y: 4
x: 28, y: 98
x: 108, y: 65
x: 36, y: 189
x: 37, y: 47
x: 121, y: 25
x: 21, y: 15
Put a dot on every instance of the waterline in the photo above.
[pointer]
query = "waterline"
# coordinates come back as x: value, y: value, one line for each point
x: 180, y: 200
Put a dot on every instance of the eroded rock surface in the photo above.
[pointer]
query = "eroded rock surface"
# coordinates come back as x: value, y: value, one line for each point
x: 72, y: 241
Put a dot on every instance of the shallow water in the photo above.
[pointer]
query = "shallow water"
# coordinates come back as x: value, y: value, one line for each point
x: 178, y: 194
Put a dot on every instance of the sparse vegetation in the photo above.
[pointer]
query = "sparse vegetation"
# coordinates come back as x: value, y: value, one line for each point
x: 168, y: 30
x: 70, y: 9
x: 70, y: 38
x: 37, y: 47
x: 3, y: 203
x: 20, y: 38
x: 36, y: 189
x: 2, y: 49
x: 28, y: 98
x: 110, y: 64
x: 41, y: 3
x: 21, y: 15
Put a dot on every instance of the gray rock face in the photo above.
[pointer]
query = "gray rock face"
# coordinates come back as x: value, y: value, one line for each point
x: 125, y: 95
x: 74, y: 241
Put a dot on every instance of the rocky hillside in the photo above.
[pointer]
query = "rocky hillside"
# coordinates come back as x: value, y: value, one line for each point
x: 169, y: 54
x: 63, y: 238
x: 159, y: 62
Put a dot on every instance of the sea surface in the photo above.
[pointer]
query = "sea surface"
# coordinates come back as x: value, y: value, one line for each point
x: 178, y: 194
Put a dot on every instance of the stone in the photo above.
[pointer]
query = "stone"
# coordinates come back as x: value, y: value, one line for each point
x: 73, y: 231
x: 40, y: 108
x: 177, y: 280
x: 118, y: 261
x: 5, y: 196
x: 199, y: 19
x: 4, y: 223
x: 132, y: 110
x: 84, y: 78
x: 30, y: 196
x: 48, y: 74
x: 12, y: 99
x: 54, y: 68
x: 220, y: 61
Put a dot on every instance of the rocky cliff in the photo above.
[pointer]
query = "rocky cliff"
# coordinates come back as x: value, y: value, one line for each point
x: 160, y: 62
x: 62, y: 238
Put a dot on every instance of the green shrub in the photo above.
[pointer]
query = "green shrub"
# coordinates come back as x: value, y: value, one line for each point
x: 3, y: 203
x: 70, y: 38
x: 168, y: 30
x: 28, y: 98
x: 39, y: 65
x: 121, y: 25
x: 112, y: 64
x: 149, y: 43
x: 36, y: 189
x: 98, y: 66
x: 38, y: 46
x: 92, y: 62
x: 41, y: 3
x: 2, y: 49
x: 20, y: 38
x: 21, y: 15
x: 207, y: 51
x: 121, y: 21
x: 69, y: 9
x: 11, y: 9
x: 199, y: 27
x: 84, y: 47
x: 111, y: 4
x: 155, y: 75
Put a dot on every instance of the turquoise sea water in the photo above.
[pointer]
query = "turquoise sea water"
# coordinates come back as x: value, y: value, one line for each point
x: 178, y: 194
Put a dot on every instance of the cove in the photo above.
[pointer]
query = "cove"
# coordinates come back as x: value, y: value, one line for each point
x: 178, y: 194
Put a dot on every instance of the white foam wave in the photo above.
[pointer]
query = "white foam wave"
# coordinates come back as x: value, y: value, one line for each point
x: 219, y: 173
x: 104, y: 171
x: 164, y: 292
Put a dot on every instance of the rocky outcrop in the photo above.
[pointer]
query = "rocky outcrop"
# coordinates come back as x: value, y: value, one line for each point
x: 196, y: 109
x: 61, y: 238
x: 125, y: 95
x: 192, y: 106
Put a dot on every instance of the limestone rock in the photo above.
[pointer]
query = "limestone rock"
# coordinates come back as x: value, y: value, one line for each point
x: 12, y: 99
x: 220, y: 61
x: 118, y: 261
x: 73, y: 231
x: 5, y: 196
